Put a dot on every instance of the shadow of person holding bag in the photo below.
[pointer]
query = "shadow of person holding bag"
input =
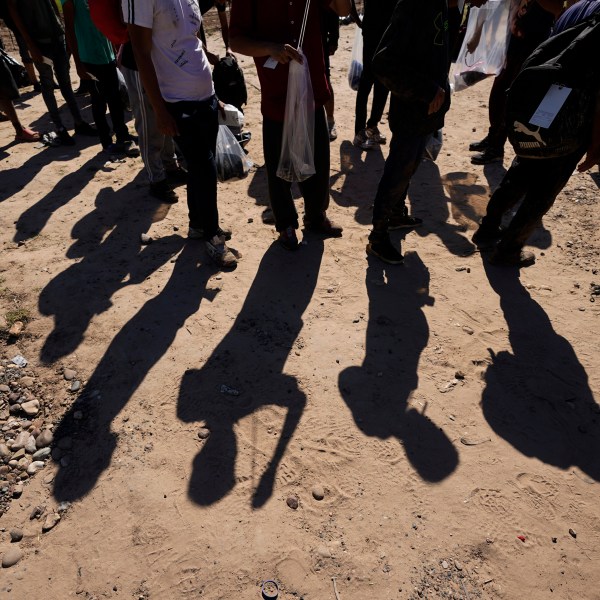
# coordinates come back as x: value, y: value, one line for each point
x: 378, y: 391
x: 250, y: 360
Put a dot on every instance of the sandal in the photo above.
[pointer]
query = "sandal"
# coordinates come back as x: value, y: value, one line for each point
x: 27, y: 135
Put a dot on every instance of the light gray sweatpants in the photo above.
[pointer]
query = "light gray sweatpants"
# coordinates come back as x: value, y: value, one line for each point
x: 157, y: 150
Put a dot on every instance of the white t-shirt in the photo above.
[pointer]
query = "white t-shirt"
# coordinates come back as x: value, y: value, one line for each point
x: 181, y: 65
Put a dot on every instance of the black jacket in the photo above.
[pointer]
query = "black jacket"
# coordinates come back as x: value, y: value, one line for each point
x: 412, y: 62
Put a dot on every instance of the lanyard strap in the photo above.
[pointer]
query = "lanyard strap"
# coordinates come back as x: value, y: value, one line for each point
x: 303, y: 28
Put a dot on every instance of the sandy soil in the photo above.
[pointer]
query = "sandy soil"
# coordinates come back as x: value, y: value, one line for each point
x: 442, y: 408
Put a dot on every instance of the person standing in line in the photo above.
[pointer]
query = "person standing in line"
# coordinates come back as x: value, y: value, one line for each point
x: 418, y: 37
x: 9, y: 92
x: 330, y: 24
x: 176, y: 76
x: 376, y: 19
x: 40, y: 26
x: 95, y: 62
x: 269, y: 32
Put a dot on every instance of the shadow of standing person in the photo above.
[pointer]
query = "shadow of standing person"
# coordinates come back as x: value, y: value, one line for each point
x: 538, y: 397
x: 251, y: 359
x: 134, y: 351
x: 378, y: 391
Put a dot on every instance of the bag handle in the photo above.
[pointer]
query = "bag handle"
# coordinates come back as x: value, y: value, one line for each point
x: 303, y: 28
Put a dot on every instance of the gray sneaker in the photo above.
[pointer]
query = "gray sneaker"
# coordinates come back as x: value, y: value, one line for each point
x: 362, y: 140
x: 220, y: 253
x: 375, y: 135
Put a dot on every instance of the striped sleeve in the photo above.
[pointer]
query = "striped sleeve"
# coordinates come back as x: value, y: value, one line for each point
x: 138, y: 12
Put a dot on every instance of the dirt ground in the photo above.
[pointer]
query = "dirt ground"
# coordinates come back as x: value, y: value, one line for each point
x: 435, y: 425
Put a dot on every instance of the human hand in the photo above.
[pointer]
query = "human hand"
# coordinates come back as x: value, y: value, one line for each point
x: 221, y: 108
x: 437, y: 101
x: 283, y: 53
x: 228, y: 52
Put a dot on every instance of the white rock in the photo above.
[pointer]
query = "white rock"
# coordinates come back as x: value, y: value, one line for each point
x: 34, y: 467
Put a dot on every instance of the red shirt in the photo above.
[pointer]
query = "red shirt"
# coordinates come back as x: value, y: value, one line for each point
x: 280, y: 21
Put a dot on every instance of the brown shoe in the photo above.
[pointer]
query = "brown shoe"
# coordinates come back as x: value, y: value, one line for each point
x: 325, y: 227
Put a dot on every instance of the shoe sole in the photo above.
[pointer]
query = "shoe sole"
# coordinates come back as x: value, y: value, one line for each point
x: 372, y: 252
x: 476, y: 161
x: 396, y: 227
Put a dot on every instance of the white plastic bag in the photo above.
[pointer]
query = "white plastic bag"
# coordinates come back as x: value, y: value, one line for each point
x: 483, y: 51
x: 232, y: 162
x: 233, y: 117
x: 297, y: 158
x: 356, y: 60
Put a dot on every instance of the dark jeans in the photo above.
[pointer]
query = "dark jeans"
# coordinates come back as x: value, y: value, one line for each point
x: 517, y: 53
x: 406, y: 152
x: 198, y: 127
x: 368, y: 81
x: 538, y: 183
x: 57, y: 53
x: 315, y: 189
x: 106, y: 91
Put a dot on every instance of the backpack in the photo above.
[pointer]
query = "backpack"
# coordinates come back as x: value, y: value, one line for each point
x: 230, y: 86
x: 16, y: 69
x: 107, y: 17
x: 567, y: 61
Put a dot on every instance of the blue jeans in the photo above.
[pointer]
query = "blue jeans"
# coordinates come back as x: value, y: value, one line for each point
x: 198, y: 126
x: 406, y: 152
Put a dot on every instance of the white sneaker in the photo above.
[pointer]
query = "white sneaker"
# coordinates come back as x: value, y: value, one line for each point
x: 362, y: 140
x: 220, y: 253
x: 332, y: 131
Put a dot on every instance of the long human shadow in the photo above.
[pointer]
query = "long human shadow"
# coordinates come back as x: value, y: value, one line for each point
x: 537, y: 397
x: 14, y: 179
x: 134, y: 351
x: 250, y: 359
x: 107, y: 240
x: 33, y: 220
x: 378, y: 391
x: 428, y: 200
x: 361, y: 171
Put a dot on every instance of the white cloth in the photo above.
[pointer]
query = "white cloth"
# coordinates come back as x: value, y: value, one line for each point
x: 180, y: 63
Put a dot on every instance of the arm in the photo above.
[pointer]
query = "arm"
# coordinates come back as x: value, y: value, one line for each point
x: 69, y: 14
x: 141, y: 42
x: 593, y: 152
x: 36, y: 55
x: 221, y: 7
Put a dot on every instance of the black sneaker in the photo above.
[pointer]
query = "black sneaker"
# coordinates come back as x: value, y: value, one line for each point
x: 384, y: 250
x: 489, y: 155
x: 288, y: 239
x: 486, y: 237
x: 86, y: 129
x: 37, y: 87
x: 519, y: 258
x: 162, y: 191
x: 403, y: 222
x: 480, y: 146
x: 65, y: 138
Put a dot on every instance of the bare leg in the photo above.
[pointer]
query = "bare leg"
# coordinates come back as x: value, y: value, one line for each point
x: 8, y: 108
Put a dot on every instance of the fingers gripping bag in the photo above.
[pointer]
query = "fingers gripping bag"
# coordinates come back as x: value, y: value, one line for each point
x: 483, y: 51
x: 296, y: 161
